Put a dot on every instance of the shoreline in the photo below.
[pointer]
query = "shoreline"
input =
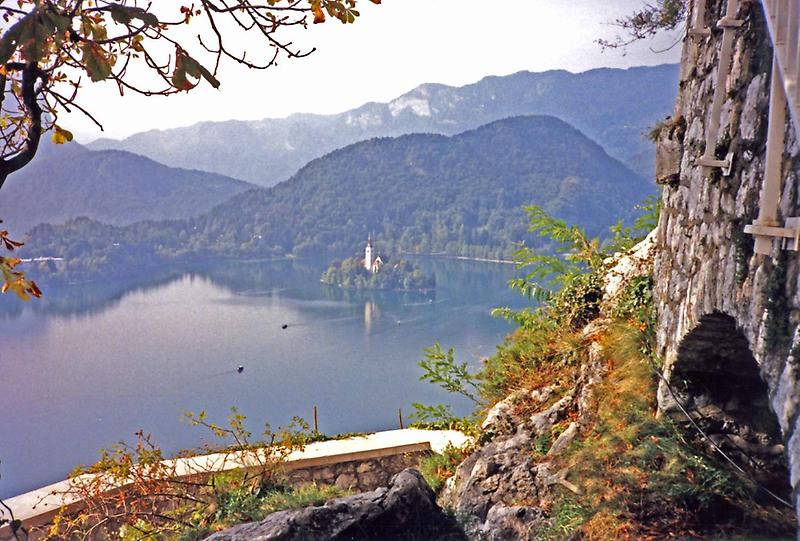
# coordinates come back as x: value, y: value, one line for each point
x: 464, y: 258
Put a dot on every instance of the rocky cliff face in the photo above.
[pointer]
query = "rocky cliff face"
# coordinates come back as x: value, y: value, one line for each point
x: 501, y: 491
x: 728, y: 319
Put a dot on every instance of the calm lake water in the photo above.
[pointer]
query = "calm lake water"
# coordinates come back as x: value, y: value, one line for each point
x: 88, y: 366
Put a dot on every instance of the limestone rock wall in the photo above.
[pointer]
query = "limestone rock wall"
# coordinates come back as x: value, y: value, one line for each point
x: 705, y: 265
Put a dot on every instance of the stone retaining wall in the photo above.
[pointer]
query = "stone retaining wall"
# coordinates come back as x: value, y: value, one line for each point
x: 705, y: 269
x: 359, y: 464
x: 357, y: 475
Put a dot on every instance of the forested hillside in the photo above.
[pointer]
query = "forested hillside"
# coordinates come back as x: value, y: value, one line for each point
x: 460, y: 195
x: 605, y: 104
x: 110, y: 186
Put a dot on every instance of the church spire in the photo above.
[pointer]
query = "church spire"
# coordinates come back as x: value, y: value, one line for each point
x: 368, y: 254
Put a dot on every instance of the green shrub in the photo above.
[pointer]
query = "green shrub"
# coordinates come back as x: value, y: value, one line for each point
x: 438, y: 467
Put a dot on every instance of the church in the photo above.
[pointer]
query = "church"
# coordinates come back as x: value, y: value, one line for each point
x: 371, y: 262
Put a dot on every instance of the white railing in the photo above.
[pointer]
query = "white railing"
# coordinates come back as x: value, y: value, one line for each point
x: 729, y: 24
x: 698, y: 27
x: 782, y: 20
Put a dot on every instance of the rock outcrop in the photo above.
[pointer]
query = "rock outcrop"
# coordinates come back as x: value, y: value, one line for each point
x: 498, y: 491
x: 406, y: 510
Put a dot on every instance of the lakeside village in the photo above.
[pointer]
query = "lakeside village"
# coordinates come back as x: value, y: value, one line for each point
x: 376, y: 272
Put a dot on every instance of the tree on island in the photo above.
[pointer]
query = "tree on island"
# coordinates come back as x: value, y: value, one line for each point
x: 49, y: 48
x: 400, y: 275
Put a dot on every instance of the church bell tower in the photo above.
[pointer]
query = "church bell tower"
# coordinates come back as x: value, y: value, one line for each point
x: 368, y: 254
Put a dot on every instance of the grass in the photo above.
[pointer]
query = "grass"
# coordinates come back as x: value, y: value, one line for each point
x: 437, y: 468
x: 639, y: 478
x: 242, y: 505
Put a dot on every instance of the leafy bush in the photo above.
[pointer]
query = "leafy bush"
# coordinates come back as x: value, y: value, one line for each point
x: 133, y: 492
x: 440, y: 368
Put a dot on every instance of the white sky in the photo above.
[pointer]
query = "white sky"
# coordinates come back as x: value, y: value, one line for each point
x: 391, y: 49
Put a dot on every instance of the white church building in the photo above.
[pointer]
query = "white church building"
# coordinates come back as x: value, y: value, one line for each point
x: 372, y: 262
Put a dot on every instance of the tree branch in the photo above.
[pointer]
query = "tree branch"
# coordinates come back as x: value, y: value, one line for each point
x: 30, y: 75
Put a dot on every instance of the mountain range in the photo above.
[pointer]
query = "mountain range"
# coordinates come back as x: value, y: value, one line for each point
x: 112, y: 186
x: 605, y: 104
x: 421, y: 193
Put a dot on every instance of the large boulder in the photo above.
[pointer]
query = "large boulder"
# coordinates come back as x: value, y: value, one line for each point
x: 406, y: 509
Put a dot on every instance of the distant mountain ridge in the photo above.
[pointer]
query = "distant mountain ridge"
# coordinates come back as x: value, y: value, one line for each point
x: 111, y: 186
x: 606, y: 104
x: 420, y: 193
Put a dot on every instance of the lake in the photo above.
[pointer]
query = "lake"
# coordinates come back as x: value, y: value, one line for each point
x: 87, y: 366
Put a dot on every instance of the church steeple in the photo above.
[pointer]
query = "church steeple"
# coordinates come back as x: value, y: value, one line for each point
x: 368, y: 254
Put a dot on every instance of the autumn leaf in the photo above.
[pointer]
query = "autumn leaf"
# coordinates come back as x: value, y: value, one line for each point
x: 126, y: 15
x: 32, y: 38
x: 186, y: 66
x: 61, y: 136
x: 96, y: 62
x: 10, y: 39
x: 319, y: 16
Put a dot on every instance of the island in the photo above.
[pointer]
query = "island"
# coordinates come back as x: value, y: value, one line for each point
x: 372, y: 272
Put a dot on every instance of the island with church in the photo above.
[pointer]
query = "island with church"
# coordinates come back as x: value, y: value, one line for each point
x: 376, y: 272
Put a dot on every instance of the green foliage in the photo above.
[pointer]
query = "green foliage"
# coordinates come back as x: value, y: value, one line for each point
x: 438, y: 467
x: 458, y: 196
x: 241, y: 504
x: 441, y: 417
x: 636, y: 305
x: 398, y: 275
x: 575, y: 254
x: 574, y: 266
x: 542, y: 443
x: 566, y: 516
x: 159, y: 501
x: 568, y: 283
x: 578, y: 302
x: 303, y: 496
x: 776, y: 327
x: 441, y: 369
x: 744, y: 245
x: 436, y: 417
x: 624, y: 238
x: 319, y: 436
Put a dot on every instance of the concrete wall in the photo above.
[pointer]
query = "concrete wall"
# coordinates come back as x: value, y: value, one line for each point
x: 705, y: 263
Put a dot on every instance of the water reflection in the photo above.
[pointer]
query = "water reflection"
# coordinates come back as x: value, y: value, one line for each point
x: 252, y: 280
x: 88, y: 365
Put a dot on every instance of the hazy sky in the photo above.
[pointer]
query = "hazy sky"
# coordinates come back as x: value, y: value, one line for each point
x: 391, y: 49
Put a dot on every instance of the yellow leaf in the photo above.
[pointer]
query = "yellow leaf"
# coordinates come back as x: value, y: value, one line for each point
x: 61, y: 136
